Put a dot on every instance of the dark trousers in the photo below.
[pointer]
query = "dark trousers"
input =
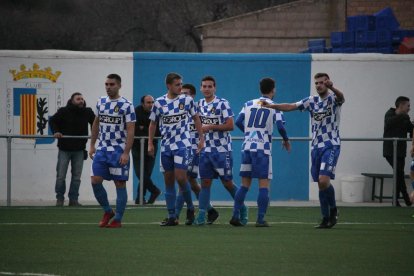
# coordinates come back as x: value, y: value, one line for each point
x: 149, y: 163
x: 400, y: 175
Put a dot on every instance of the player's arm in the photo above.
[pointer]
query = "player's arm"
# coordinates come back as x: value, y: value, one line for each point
x: 227, y: 126
x: 338, y: 94
x: 151, y: 133
x: 283, y: 133
x: 130, y: 126
x: 199, y: 128
x: 94, y: 136
x: 240, y: 122
x: 281, y: 107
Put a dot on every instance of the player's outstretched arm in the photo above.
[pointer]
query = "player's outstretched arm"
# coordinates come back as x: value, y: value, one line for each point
x: 281, y: 107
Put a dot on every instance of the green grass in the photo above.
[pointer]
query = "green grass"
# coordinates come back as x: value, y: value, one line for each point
x: 66, y: 241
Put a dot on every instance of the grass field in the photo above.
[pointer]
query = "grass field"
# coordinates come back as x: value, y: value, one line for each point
x: 67, y: 241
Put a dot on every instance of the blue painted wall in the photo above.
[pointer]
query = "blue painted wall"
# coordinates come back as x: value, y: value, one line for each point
x: 237, y: 80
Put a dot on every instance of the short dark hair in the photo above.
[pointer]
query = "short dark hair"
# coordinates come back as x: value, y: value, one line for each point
x: 320, y: 75
x: 73, y: 96
x: 169, y: 79
x: 191, y: 87
x: 143, y: 99
x: 267, y: 85
x: 115, y: 77
x: 400, y: 100
x: 209, y: 78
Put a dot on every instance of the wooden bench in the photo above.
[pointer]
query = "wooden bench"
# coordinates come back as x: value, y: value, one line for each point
x: 381, y: 177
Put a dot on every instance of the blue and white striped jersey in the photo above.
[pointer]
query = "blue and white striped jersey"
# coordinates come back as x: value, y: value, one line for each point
x: 113, y: 116
x: 173, y: 116
x: 216, y: 112
x: 325, y: 118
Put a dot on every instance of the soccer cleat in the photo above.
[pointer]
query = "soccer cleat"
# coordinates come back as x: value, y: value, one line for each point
x: 106, y: 218
x: 169, y: 222
x: 235, y: 222
x: 324, y: 224
x: 212, y: 216
x: 333, y: 217
x: 190, y: 217
x: 153, y: 197
x: 200, y: 220
x: 262, y: 224
x: 244, y: 215
x: 114, y: 224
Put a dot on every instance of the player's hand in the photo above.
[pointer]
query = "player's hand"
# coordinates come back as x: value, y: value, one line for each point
x: 58, y: 135
x: 150, y: 149
x: 328, y: 83
x: 124, y: 159
x: 286, y: 145
x: 263, y: 103
x: 206, y: 128
x: 92, y: 151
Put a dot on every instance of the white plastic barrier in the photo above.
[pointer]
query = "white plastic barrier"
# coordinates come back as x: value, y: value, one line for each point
x: 353, y: 188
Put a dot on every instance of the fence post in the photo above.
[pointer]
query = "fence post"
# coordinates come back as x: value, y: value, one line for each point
x: 394, y: 176
x: 9, y: 139
x: 141, y: 171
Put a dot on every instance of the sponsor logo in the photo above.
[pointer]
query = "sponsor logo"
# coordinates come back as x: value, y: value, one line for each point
x: 192, y: 127
x: 322, y: 115
x: 209, y: 121
x: 110, y: 119
x: 173, y: 119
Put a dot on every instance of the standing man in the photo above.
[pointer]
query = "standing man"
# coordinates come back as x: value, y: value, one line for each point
x: 192, y: 173
x: 114, y: 122
x: 216, y: 159
x: 172, y: 111
x: 73, y: 119
x: 325, y: 110
x: 397, y: 124
x: 257, y: 124
x: 143, y: 112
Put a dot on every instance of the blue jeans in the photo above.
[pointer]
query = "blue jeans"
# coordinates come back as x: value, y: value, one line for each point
x: 76, y: 161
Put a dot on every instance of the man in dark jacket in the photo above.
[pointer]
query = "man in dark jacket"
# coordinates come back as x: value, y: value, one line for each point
x: 397, y: 125
x: 143, y: 112
x: 72, y: 120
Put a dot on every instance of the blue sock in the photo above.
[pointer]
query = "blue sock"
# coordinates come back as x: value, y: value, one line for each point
x: 179, y: 203
x: 331, y: 196
x: 101, y: 196
x: 209, y: 207
x: 239, y: 200
x: 121, y: 202
x: 187, y: 196
x: 324, y: 203
x: 204, y: 198
x: 262, y: 203
x: 233, y: 191
x: 170, y: 197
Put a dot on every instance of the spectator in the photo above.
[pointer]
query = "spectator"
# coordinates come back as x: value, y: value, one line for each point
x: 72, y: 119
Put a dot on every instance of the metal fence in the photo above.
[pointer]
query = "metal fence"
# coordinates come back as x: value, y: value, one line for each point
x: 9, y: 139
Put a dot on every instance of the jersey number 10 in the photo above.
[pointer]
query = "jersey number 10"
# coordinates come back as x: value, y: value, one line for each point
x: 258, y: 117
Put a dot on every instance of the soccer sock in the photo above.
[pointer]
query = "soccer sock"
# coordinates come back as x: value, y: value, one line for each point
x: 204, y: 198
x: 233, y: 190
x: 262, y: 203
x: 187, y: 196
x: 121, y: 202
x: 179, y: 203
x: 101, y: 196
x: 170, y: 197
x: 239, y: 200
x: 331, y: 196
x: 324, y: 203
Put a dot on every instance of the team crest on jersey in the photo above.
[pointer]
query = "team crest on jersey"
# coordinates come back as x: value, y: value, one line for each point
x: 213, y: 110
x: 116, y: 109
x: 181, y: 106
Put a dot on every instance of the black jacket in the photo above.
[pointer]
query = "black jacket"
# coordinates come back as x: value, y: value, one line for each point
x: 72, y: 120
x: 396, y: 126
x: 142, y: 126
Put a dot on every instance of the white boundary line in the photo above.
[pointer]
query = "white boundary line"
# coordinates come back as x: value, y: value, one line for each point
x: 26, y: 273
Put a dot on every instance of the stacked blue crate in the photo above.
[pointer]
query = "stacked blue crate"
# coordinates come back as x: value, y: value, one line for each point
x: 317, y: 46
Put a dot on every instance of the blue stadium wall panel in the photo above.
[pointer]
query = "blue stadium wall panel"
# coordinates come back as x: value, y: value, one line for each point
x: 237, y: 80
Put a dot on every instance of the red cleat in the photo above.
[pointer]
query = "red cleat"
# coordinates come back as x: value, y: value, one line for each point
x: 106, y: 218
x: 114, y: 224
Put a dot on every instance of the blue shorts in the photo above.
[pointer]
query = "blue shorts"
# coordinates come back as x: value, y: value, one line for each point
x: 106, y: 164
x: 324, y: 161
x: 174, y: 159
x: 193, y: 164
x: 216, y: 164
x: 256, y: 165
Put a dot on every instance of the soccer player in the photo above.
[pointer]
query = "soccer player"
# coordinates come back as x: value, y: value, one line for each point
x: 172, y: 112
x: 216, y: 158
x: 257, y: 124
x: 325, y: 110
x: 115, y: 123
x: 192, y: 173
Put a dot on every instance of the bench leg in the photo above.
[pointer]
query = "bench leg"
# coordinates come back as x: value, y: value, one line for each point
x: 373, y: 189
x: 381, y: 189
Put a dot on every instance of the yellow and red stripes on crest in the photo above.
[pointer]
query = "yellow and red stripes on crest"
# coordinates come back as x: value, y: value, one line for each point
x: 28, y: 114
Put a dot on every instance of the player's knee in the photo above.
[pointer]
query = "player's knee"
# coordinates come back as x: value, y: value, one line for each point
x: 323, y: 183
